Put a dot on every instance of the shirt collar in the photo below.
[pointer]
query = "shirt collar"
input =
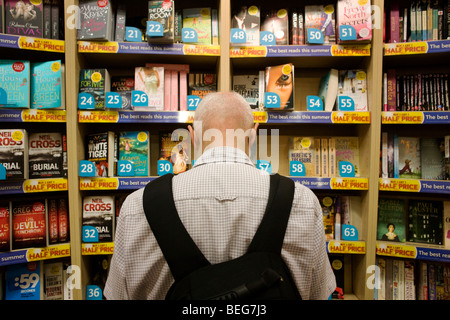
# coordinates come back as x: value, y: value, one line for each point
x: 223, y: 155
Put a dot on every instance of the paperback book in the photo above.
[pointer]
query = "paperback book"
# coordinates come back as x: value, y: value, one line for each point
x: 98, y: 212
x: 162, y: 12
x: 328, y: 88
x: 45, y: 155
x: 5, y: 227
x: 15, y: 83
x: 124, y: 87
x: 29, y: 224
x: 358, y: 16
x: 150, y: 80
x: 54, y: 281
x: 347, y: 149
x: 248, y: 87
x: 320, y: 18
x: 47, y: 85
x: 247, y: 18
x: 409, y: 158
x: 96, y: 20
x: 277, y: 22
x: 353, y: 84
x: 95, y: 82
x: 134, y: 146
x: 391, y: 223
x: 425, y: 221
x: 303, y: 149
x: 432, y: 158
x: 101, y: 152
x: 200, y: 84
x: 280, y: 80
x: 329, y: 211
x: 24, y: 18
x: 199, y: 19
x: 175, y: 150
x: 14, y: 153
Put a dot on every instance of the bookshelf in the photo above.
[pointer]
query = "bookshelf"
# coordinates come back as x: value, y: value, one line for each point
x: 310, y: 62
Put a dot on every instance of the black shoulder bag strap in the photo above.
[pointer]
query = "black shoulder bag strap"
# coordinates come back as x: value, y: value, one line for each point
x: 180, y: 251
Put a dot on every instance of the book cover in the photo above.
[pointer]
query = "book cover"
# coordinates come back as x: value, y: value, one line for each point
x: 410, y: 288
x: 96, y: 82
x: 389, y: 279
x: 277, y: 22
x: 280, y: 80
x: 47, y: 85
x: 409, y: 163
x: 391, y: 225
x: 53, y: 277
x: 353, y: 84
x: 398, y: 279
x: 380, y: 279
x: 134, y: 146
x: 432, y: 158
x: 391, y: 90
x: 357, y: 14
x: 174, y: 149
x: 98, y: 212
x: 200, y: 84
x: 302, y: 149
x: 328, y: 89
x: 121, y: 17
x: 123, y: 85
x: 100, y: 151
x: 24, y: 18
x: 96, y: 20
x: 324, y: 157
x: 45, y: 155
x: 29, y: 224
x: 338, y: 265
x: 199, y: 19
x: 321, y: 18
x: 394, y: 31
x: 446, y: 227
x: 14, y: 153
x: 52, y: 219
x: 150, y: 80
x: 33, y: 288
x: 328, y: 210
x: 214, y: 27
x: 248, y: 87
x: 183, y: 89
x: 174, y: 91
x: 347, y: 149
x: 63, y: 221
x: 164, y: 13
x: 425, y: 221
x: 317, y: 158
x: 5, y: 227
x: 247, y: 18
x: 15, y: 83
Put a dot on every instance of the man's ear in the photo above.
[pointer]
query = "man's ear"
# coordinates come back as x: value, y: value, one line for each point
x: 253, y: 133
x: 191, y: 133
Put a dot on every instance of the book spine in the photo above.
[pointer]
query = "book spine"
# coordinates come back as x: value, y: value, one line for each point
x: 384, y: 155
x: 174, y: 90
x: 183, y: 90
x: 317, y: 158
x: 167, y: 89
x: 63, y: 221
x: 419, y: 31
x: 52, y: 221
x: 410, y: 290
x: 332, y: 157
x: 385, y: 100
x: 391, y: 90
x: 394, y: 23
x: 324, y: 156
x: 396, y: 156
x: 413, y: 27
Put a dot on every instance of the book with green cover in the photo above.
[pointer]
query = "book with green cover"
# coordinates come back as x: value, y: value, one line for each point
x: 391, y: 220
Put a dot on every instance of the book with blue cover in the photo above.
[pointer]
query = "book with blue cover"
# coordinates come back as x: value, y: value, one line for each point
x: 134, y: 146
x: 47, y: 85
x: 15, y: 83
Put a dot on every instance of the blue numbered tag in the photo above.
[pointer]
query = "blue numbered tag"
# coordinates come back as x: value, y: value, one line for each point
x: 267, y: 38
x: 3, y: 96
x: 23, y: 281
x: 349, y: 233
x: 2, y: 172
x: 347, y: 33
x: 296, y: 169
x: 346, y: 103
x: 133, y: 34
x: 164, y: 167
x: 346, y: 169
x: 192, y: 102
x: 93, y: 292
x: 154, y: 29
x: 314, y: 103
x: 238, y: 36
x: 189, y: 35
x: 272, y: 100
x: 264, y: 165
x: 113, y: 100
x: 139, y: 99
x: 86, y: 168
x: 314, y: 36
x: 125, y: 168
x: 86, y: 101
x: 90, y: 234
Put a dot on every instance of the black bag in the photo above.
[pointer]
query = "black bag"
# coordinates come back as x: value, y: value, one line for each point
x: 259, y: 274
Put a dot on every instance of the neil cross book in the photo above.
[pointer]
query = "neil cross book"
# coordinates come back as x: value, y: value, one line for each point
x: 14, y: 153
x: 45, y: 155
x: 98, y: 212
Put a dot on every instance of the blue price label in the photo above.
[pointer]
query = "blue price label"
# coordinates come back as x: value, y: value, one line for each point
x: 133, y: 34
x: 314, y: 103
x: 267, y: 38
x: 90, y: 234
x: 192, y: 102
x: 3, y: 96
x: 24, y: 282
x: 272, y: 100
x: 296, y: 169
x: 154, y: 29
x: 238, y: 36
x: 2, y: 172
x: 346, y: 103
x: 189, y: 35
x: 86, y: 168
x: 347, y: 33
x: 113, y: 100
x: 346, y: 169
x: 349, y: 233
x: 93, y: 292
x: 86, y: 101
x: 164, y: 167
x: 139, y: 99
x: 264, y: 165
x: 314, y: 36
x: 125, y: 168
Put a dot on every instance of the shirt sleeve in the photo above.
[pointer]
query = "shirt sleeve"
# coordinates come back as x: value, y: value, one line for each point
x: 323, y: 282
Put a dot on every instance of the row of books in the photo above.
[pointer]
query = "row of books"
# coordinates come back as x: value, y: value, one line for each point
x: 306, y: 25
x: 48, y: 280
x: 40, y: 19
x: 415, y: 92
x: 320, y: 156
x: 400, y: 279
x: 414, y: 158
x: 421, y: 20
x: 33, y: 223
x: 152, y: 87
x: 36, y: 85
x: 413, y: 220
x: 33, y: 155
